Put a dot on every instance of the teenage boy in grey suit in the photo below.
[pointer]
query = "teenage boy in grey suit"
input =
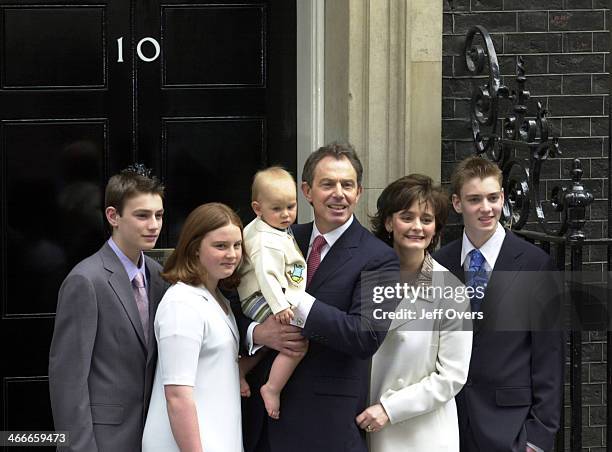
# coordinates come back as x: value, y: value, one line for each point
x: 103, y: 351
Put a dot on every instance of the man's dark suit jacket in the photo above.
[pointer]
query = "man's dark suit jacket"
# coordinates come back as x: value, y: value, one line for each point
x: 329, y: 388
x: 100, y: 369
x: 513, y: 392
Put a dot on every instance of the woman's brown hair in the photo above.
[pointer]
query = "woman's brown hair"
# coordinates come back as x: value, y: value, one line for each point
x: 400, y: 195
x: 183, y: 264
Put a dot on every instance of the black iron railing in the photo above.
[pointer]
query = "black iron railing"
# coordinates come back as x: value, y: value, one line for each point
x: 521, y: 143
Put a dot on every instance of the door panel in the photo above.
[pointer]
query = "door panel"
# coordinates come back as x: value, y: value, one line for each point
x: 209, y: 159
x: 73, y: 58
x: 227, y: 45
x: 30, y: 389
x: 53, y: 206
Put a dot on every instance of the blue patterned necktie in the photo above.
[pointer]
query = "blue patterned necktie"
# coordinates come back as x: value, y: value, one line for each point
x: 477, y: 278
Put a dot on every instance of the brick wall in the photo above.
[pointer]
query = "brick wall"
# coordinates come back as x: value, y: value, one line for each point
x: 565, y: 46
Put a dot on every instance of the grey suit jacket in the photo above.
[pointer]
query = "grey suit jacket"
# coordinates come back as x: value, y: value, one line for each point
x: 100, y: 370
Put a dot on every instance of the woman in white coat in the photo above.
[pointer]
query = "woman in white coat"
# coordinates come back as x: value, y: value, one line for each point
x: 195, y: 404
x: 424, y: 359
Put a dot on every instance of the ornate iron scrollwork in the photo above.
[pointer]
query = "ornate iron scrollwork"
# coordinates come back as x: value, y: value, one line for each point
x: 484, y: 105
x: 520, y: 144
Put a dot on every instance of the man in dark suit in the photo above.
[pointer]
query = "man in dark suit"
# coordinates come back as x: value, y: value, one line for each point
x: 329, y: 388
x: 103, y: 352
x: 512, y: 398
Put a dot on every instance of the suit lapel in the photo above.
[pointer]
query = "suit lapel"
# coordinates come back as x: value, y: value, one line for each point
x: 122, y: 287
x: 155, y: 291
x: 228, y: 321
x: 205, y: 293
x: 453, y: 263
x: 302, y: 233
x: 507, y: 267
x: 453, y: 260
x: 337, y: 256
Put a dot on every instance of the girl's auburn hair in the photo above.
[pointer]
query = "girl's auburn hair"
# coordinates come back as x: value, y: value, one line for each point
x: 183, y: 264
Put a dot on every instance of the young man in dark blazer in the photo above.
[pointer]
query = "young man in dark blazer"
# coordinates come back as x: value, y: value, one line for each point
x: 103, y: 352
x: 512, y: 398
x: 329, y: 388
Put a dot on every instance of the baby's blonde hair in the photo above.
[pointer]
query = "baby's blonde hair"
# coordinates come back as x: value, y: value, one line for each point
x: 268, y: 176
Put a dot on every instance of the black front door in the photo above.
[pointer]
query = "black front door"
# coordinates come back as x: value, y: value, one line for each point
x: 204, y: 93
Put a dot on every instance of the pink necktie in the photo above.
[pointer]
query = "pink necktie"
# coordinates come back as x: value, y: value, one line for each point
x: 142, y: 301
x: 314, y: 259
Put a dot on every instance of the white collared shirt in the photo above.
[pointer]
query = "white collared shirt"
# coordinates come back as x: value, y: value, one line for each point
x: 331, y: 237
x: 127, y: 263
x: 490, y: 249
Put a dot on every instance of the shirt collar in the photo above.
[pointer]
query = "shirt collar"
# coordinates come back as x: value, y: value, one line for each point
x: 490, y: 249
x: 332, y: 236
x: 130, y: 268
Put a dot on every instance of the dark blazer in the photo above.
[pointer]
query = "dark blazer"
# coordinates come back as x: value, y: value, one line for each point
x: 100, y: 370
x: 329, y: 388
x: 513, y: 392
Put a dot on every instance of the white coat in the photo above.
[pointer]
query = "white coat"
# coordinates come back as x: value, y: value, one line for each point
x: 420, y: 367
x: 273, y: 265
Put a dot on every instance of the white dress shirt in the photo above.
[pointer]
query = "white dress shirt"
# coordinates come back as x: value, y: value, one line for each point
x: 490, y: 249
